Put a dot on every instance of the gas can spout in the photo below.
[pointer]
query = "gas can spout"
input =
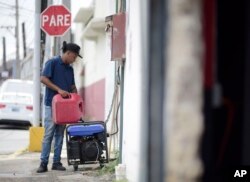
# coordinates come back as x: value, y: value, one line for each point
x: 81, y: 120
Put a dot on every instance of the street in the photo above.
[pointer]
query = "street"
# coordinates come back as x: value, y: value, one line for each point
x: 13, y: 139
x: 18, y: 164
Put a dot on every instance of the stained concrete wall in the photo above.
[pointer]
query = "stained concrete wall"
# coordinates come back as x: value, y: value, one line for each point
x: 184, y: 119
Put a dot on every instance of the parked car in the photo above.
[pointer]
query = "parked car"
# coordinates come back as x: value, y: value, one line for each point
x: 16, y: 102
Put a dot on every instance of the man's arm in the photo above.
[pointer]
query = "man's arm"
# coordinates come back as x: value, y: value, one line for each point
x: 52, y: 86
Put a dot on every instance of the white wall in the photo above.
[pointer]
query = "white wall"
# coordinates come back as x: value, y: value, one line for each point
x: 97, y: 55
x: 96, y: 58
x: 98, y: 65
x: 133, y: 92
x: 78, y: 65
x: 104, y: 7
x: 77, y: 29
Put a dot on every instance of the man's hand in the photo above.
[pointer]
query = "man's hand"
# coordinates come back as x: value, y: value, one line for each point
x: 51, y: 85
x: 63, y: 93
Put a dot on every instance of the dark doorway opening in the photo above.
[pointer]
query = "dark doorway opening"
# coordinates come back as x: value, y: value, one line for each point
x: 227, y: 101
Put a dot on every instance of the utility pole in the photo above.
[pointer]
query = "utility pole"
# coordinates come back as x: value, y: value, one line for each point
x: 24, y: 40
x: 16, y: 68
x: 36, y: 65
x: 4, y: 55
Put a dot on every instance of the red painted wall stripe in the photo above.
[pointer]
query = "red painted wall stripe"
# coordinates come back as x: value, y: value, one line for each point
x: 94, y: 101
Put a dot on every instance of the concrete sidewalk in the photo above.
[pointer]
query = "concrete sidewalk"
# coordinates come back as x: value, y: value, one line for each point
x: 22, y: 165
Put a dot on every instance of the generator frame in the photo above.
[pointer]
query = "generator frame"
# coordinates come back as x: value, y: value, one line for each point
x: 75, y: 162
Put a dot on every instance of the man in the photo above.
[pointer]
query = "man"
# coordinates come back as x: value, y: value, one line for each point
x: 58, y: 76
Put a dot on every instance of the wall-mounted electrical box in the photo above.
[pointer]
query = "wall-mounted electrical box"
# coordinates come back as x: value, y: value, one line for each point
x: 116, y: 25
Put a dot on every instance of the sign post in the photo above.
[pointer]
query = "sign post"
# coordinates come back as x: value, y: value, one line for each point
x: 55, y: 20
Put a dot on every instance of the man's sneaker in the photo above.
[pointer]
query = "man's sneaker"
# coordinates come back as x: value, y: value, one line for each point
x: 42, y: 168
x: 58, y: 166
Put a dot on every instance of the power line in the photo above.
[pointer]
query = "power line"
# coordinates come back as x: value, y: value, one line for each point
x: 13, y: 7
x: 6, y: 19
x: 7, y: 27
x: 4, y: 7
x: 7, y: 14
x: 7, y: 4
x: 29, y: 10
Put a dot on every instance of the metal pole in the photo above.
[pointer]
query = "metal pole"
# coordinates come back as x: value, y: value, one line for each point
x: 24, y: 41
x: 121, y: 8
x: 36, y: 65
x: 144, y: 123
x: 4, y: 55
x: 121, y: 111
x: 156, y: 92
x: 17, y: 61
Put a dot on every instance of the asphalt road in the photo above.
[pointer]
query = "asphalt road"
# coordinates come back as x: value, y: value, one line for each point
x: 13, y: 139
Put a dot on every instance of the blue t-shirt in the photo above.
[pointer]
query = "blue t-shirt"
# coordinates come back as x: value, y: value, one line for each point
x: 60, y: 74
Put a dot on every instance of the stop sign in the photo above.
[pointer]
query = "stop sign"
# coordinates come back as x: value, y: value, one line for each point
x: 55, y: 20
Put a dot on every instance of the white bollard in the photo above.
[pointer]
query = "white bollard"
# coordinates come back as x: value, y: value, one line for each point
x: 120, y: 172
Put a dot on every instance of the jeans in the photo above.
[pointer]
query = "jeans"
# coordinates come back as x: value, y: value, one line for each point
x: 51, y: 130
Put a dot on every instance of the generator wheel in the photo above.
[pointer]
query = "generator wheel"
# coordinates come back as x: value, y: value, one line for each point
x: 101, y: 165
x: 75, y: 167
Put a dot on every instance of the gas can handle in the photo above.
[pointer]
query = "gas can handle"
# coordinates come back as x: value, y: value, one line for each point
x: 67, y: 97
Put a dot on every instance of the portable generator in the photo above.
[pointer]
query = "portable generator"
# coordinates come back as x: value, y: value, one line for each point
x: 86, y: 143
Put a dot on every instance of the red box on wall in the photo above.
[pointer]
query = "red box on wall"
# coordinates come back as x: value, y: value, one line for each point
x: 117, y: 23
x: 67, y: 110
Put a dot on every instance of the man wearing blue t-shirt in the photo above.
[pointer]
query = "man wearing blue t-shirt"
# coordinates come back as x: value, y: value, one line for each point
x: 58, y: 76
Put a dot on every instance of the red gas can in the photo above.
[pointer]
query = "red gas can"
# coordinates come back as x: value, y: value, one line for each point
x: 67, y: 110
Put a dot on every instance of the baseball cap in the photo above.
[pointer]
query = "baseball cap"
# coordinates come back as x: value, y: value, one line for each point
x: 71, y: 47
